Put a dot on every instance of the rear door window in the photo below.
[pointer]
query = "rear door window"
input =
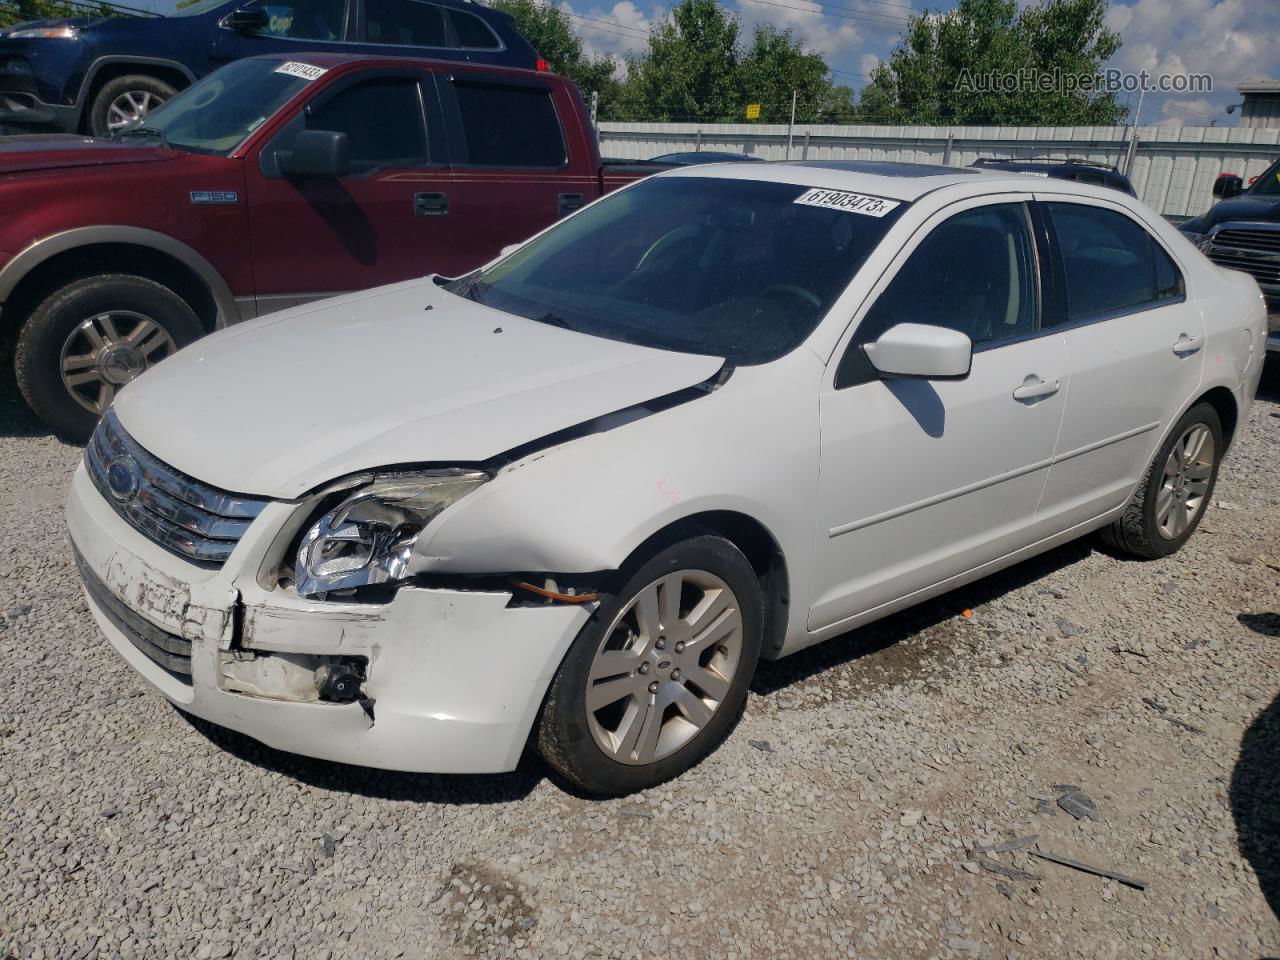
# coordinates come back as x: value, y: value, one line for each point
x: 509, y: 126
x: 1111, y: 264
x: 406, y: 23
x: 383, y: 120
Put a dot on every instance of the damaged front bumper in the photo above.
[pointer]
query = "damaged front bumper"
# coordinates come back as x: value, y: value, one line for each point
x: 438, y: 680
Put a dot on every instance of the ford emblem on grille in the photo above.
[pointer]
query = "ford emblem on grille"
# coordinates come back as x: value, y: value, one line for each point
x: 124, y: 478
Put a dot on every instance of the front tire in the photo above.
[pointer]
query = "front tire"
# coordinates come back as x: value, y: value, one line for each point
x: 658, y: 676
x: 88, y: 339
x: 124, y: 100
x: 1175, y: 491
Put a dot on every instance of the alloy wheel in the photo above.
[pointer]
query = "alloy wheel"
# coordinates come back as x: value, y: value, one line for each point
x: 665, y: 666
x: 106, y: 351
x: 129, y: 107
x: 1185, y: 484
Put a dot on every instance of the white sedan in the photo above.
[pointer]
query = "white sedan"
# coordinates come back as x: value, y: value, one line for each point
x: 571, y: 499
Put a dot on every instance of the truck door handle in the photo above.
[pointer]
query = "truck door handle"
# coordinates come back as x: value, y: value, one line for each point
x: 1186, y: 346
x: 1033, y: 388
x: 430, y: 204
x: 570, y: 202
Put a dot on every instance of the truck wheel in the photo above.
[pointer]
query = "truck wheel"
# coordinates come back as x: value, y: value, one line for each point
x: 658, y: 676
x: 88, y: 339
x: 121, y: 101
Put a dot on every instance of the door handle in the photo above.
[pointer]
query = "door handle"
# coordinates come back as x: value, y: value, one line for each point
x: 430, y: 204
x: 1033, y: 388
x: 1186, y: 346
x: 569, y: 202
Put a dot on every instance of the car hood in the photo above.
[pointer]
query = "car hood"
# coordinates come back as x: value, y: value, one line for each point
x: 1259, y: 208
x: 52, y: 151
x: 404, y: 374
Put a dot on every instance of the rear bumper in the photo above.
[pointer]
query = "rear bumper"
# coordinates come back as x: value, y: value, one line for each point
x: 454, y: 678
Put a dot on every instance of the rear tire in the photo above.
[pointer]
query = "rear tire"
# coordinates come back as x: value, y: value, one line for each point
x: 658, y: 676
x: 120, y: 101
x: 69, y: 360
x: 1175, y: 491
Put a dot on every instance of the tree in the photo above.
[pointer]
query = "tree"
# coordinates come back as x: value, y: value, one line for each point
x: 696, y: 69
x: 773, y: 67
x: 689, y: 72
x: 549, y: 30
x: 986, y: 63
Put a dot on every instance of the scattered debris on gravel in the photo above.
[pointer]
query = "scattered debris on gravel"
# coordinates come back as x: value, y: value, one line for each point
x: 935, y: 785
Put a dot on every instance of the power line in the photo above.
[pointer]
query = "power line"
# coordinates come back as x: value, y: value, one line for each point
x: 827, y: 10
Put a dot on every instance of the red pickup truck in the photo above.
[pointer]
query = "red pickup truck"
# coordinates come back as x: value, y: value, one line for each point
x: 271, y: 182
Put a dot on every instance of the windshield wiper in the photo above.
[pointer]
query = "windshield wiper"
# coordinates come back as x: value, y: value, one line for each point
x: 469, y: 287
x: 553, y: 319
x: 141, y: 131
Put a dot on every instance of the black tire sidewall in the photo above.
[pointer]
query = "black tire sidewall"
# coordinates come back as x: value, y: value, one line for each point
x: 38, y: 357
x: 110, y: 90
x: 1200, y: 413
x: 573, y: 750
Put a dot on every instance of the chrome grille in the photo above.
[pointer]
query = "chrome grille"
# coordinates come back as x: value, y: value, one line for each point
x: 1256, y: 252
x: 185, y: 516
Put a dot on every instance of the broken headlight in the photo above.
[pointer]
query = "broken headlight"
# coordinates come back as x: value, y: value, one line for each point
x: 369, y: 537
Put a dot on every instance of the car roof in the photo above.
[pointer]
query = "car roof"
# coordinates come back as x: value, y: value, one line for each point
x: 900, y: 181
x: 905, y: 181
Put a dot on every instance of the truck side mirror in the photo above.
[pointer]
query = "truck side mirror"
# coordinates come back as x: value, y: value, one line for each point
x: 316, y: 153
x: 246, y: 20
x: 1227, y: 185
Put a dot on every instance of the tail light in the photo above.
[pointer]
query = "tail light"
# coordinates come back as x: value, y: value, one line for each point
x: 543, y: 66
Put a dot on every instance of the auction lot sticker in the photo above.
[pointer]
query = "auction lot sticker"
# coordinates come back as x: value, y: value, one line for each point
x: 304, y: 70
x: 847, y: 201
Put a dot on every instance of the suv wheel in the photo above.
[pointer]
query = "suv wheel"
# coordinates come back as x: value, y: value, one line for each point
x: 88, y: 339
x: 1176, y: 489
x: 121, y: 101
x: 659, y: 674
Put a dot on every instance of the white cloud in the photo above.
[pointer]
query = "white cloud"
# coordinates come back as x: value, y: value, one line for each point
x: 1228, y: 39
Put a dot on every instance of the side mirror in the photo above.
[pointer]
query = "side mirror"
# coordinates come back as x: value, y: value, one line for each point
x: 1227, y: 185
x: 316, y: 153
x: 246, y: 21
x: 921, y: 350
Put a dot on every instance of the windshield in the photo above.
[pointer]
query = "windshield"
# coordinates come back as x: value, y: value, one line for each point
x: 733, y: 268
x: 216, y: 114
x: 192, y: 9
x: 1269, y: 183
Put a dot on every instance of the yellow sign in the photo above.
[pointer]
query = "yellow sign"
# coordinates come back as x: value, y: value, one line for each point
x: 753, y: 111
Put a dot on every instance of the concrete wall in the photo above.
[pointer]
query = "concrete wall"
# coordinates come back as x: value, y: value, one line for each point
x: 1173, y: 171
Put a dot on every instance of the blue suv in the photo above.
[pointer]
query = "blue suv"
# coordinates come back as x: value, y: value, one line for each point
x: 95, y: 75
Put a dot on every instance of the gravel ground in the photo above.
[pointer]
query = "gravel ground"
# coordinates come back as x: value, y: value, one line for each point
x: 844, y: 817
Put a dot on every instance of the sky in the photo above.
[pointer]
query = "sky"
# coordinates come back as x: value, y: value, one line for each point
x: 1232, y: 40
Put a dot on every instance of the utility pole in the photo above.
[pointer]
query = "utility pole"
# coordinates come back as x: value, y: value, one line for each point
x: 1133, y: 135
x: 791, y: 125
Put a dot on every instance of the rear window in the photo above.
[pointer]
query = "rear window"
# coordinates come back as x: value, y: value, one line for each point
x: 473, y: 33
x: 510, y: 126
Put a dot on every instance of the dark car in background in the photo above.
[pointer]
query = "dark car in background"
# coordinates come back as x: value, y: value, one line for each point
x: 1081, y: 171
x: 694, y: 157
x: 1242, y: 232
x: 96, y: 75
